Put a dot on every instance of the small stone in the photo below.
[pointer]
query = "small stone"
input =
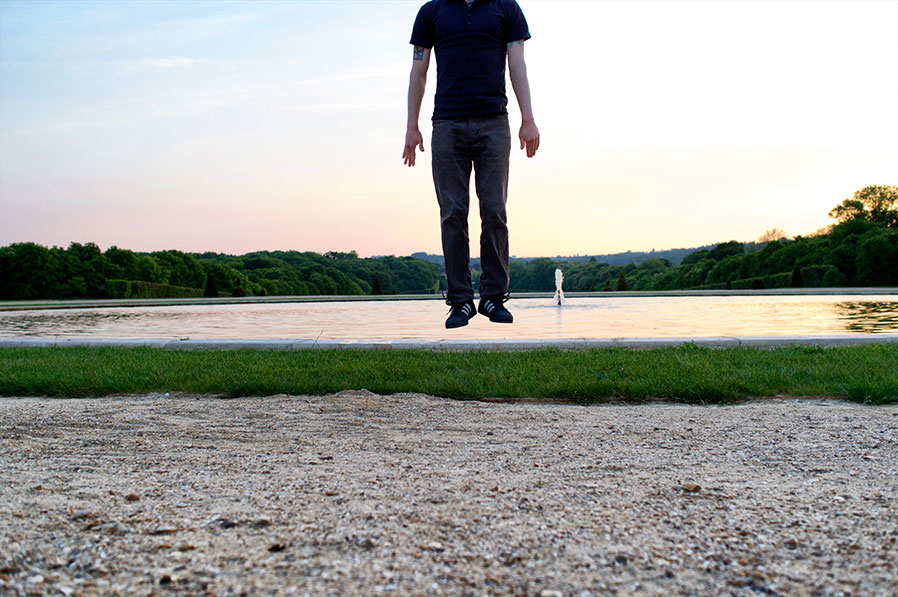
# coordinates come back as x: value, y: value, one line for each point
x: 433, y: 546
x: 791, y: 543
x: 165, y: 580
x: 550, y: 593
x: 691, y: 487
x: 186, y: 547
x: 366, y: 543
x: 132, y: 497
x: 277, y: 547
x: 164, y: 531
x: 83, y: 514
x: 114, y: 528
x: 261, y: 523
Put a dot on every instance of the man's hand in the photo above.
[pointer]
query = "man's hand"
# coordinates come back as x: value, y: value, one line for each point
x: 529, y: 136
x: 517, y: 70
x: 413, y: 140
x: 416, y: 82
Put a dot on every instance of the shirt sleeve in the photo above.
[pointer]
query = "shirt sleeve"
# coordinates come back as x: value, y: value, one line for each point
x: 422, y: 32
x: 515, y: 24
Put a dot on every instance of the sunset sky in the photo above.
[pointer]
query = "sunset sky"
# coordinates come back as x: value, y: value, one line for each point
x: 241, y: 126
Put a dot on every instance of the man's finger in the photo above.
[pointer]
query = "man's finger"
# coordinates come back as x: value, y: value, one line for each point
x: 522, y: 142
x: 421, y: 144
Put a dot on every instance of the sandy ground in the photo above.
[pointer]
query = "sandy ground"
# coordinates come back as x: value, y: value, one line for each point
x: 362, y: 494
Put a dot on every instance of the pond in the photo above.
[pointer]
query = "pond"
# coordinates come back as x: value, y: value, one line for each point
x: 535, y: 318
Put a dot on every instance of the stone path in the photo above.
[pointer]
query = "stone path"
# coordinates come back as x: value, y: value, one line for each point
x: 361, y: 494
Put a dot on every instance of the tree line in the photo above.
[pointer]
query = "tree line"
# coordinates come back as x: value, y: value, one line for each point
x: 30, y: 271
x: 861, y: 249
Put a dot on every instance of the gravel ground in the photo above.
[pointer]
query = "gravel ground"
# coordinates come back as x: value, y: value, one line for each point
x: 357, y: 493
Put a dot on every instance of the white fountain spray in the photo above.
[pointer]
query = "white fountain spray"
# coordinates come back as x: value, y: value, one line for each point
x: 559, y: 293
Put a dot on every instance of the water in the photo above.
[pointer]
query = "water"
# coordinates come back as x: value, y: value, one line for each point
x: 602, y: 317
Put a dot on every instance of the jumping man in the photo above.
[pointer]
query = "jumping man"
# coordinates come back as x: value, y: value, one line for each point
x: 470, y: 129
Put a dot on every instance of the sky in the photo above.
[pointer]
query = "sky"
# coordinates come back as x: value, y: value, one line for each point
x: 241, y: 126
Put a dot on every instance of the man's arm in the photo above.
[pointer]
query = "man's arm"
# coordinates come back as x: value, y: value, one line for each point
x: 416, y: 83
x: 517, y: 70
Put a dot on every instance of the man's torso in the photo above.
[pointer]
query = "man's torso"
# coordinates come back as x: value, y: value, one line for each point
x: 469, y: 42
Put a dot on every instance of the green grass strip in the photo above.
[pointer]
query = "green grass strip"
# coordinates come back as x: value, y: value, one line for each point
x: 686, y: 373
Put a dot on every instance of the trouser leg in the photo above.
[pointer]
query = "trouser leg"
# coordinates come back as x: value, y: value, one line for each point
x: 491, y: 147
x: 451, y: 162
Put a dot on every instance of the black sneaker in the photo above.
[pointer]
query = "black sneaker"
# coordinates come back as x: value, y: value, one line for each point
x: 493, y: 307
x: 460, y: 313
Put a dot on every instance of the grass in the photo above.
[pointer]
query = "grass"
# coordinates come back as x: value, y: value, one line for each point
x: 686, y: 373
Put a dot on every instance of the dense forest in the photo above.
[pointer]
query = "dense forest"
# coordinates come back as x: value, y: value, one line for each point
x: 31, y: 271
x: 861, y: 249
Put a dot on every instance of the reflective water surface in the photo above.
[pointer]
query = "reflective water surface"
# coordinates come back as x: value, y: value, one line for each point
x: 603, y: 317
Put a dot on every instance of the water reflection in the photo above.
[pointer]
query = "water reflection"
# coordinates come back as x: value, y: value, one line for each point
x: 580, y: 317
x: 869, y: 317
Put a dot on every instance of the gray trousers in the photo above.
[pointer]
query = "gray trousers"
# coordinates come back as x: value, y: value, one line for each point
x: 457, y: 146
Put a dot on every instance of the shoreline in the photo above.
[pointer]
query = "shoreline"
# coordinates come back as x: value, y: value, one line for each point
x: 104, y: 303
x: 493, y: 345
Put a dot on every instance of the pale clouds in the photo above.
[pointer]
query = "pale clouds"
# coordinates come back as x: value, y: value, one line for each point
x: 169, y: 62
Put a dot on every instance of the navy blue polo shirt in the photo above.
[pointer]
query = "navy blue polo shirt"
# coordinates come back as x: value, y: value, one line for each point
x: 470, y: 45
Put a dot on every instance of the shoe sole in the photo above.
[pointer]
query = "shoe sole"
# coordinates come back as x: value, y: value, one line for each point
x: 495, y: 320
x: 458, y: 325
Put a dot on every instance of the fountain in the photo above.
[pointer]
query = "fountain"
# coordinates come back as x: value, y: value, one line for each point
x: 559, y: 293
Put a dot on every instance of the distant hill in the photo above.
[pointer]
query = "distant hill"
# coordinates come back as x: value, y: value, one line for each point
x: 673, y: 256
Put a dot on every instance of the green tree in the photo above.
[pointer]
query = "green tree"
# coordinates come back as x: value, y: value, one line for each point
x: 542, y: 275
x: 622, y: 281
x: 183, y: 269
x: 727, y: 249
x: 148, y: 270
x: 875, y: 203
x: 211, y: 290
x: 125, y: 261
x: 26, y: 272
x: 877, y: 258
x: 797, y: 279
